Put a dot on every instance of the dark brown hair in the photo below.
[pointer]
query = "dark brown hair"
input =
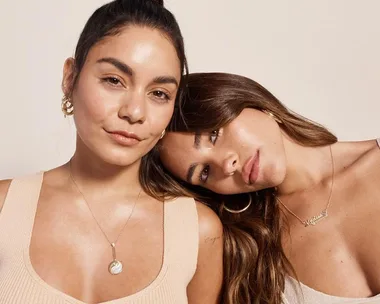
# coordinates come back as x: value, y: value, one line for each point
x: 111, y: 18
x: 254, y: 262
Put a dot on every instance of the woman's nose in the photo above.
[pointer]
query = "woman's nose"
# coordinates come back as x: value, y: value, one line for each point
x: 134, y: 109
x: 230, y: 164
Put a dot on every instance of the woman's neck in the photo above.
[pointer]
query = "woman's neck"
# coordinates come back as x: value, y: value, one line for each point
x: 307, y: 167
x: 96, y: 175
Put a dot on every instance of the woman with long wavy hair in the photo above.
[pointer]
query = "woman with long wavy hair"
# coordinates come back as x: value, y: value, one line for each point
x: 300, y: 209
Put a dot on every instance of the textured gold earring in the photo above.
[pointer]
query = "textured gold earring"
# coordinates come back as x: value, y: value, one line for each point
x: 273, y: 116
x: 162, y: 134
x: 67, y: 106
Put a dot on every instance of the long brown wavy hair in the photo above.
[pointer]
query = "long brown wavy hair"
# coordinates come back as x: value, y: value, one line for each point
x: 255, y: 265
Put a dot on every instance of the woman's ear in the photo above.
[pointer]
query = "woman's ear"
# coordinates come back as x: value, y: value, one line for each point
x: 69, y: 75
x: 278, y: 120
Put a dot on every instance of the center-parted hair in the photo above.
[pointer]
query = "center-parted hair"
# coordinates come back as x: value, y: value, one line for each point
x: 111, y: 18
x: 255, y: 265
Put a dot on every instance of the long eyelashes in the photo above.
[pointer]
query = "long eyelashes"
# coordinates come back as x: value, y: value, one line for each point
x: 112, y: 81
x: 159, y: 95
x: 214, y: 135
x: 205, y: 173
x: 203, y: 176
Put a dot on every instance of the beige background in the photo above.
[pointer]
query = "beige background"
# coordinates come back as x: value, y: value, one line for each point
x: 321, y: 58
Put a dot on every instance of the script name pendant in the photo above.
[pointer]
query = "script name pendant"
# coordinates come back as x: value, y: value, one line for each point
x: 315, y: 219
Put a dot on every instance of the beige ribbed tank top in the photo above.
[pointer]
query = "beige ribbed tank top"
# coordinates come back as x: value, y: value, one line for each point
x: 298, y: 293
x: 20, y: 284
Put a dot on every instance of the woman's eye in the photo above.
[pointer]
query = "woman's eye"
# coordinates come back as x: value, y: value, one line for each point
x: 161, y: 95
x: 204, y: 174
x: 113, y: 81
x: 214, y: 136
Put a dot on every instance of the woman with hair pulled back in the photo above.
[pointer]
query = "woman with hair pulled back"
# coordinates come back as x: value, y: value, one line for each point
x: 101, y: 228
x: 300, y: 209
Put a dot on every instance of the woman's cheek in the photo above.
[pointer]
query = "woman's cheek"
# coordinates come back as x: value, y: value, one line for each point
x: 160, y: 118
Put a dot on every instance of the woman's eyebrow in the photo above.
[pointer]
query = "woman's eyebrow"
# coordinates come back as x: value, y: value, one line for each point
x: 117, y: 64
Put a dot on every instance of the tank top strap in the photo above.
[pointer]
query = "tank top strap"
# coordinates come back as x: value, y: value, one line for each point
x: 19, y: 209
x: 181, y: 236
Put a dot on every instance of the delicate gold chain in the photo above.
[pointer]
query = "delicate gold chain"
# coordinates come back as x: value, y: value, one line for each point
x: 313, y: 220
x: 89, y: 208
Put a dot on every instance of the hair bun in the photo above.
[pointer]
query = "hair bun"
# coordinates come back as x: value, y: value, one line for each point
x: 159, y: 2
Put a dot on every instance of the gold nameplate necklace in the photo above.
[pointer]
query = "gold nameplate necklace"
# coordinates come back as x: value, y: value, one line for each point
x: 116, y: 266
x: 317, y: 218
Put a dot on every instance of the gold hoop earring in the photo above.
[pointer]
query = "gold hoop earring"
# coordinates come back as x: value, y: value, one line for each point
x: 241, y: 210
x: 67, y: 106
x: 273, y: 116
x: 163, y: 134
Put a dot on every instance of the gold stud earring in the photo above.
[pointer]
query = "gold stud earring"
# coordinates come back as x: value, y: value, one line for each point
x: 67, y: 106
x: 273, y: 116
x: 163, y: 134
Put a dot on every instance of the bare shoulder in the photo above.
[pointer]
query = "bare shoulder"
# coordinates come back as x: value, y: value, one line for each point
x: 365, y: 167
x: 206, y: 285
x: 210, y: 226
x: 4, y: 186
x: 369, y: 165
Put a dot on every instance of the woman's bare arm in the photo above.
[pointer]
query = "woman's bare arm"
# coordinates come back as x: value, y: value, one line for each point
x: 205, y: 287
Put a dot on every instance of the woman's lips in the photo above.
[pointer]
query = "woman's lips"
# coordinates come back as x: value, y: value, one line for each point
x: 251, y: 169
x: 124, y: 138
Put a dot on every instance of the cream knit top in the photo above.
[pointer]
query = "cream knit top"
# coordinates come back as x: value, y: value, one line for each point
x: 20, y: 284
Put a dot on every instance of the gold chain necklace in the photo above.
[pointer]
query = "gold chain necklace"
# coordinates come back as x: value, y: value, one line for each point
x: 315, y: 219
x: 116, y: 266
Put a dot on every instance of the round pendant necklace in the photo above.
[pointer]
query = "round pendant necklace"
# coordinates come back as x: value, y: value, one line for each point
x: 116, y: 266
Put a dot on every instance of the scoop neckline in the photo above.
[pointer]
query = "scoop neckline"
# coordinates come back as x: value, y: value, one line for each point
x: 294, y: 281
x: 153, y: 284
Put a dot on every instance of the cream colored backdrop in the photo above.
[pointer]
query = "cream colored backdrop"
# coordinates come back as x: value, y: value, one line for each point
x: 321, y: 58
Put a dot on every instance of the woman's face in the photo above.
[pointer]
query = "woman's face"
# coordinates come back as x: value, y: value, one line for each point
x: 245, y: 155
x: 124, y: 96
